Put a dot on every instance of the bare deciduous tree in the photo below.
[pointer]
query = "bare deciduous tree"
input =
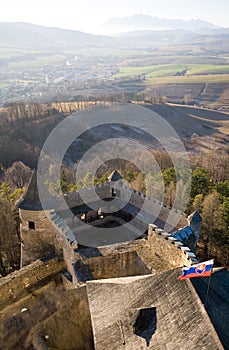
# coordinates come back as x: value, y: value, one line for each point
x: 9, y: 238
x: 17, y: 176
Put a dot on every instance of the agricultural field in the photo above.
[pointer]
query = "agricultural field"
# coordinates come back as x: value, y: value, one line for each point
x: 188, y: 79
x: 174, y: 70
x: 207, y: 69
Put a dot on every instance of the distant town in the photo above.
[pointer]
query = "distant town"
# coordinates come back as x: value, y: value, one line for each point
x: 63, y: 80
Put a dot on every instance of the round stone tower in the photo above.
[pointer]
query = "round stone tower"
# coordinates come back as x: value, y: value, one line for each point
x: 36, y: 231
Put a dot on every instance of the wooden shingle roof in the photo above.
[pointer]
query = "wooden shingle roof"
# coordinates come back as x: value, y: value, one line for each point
x: 31, y: 198
x: 115, y: 176
x: 195, y: 217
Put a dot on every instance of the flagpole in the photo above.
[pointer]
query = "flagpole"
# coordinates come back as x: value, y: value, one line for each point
x: 207, y: 290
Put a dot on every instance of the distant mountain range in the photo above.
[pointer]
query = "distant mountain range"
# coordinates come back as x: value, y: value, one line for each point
x: 25, y: 36
x: 140, y: 22
x: 31, y: 36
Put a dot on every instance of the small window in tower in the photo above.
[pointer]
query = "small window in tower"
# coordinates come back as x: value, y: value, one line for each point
x: 32, y: 225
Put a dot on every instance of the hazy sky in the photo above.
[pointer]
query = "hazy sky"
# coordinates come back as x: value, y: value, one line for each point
x: 87, y: 15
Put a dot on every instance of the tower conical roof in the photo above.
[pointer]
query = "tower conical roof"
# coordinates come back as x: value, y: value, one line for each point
x: 31, y: 199
x: 115, y: 176
x: 195, y: 217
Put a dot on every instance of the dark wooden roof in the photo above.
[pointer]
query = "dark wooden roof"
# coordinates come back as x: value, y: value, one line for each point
x: 195, y: 217
x: 31, y: 198
x: 115, y: 176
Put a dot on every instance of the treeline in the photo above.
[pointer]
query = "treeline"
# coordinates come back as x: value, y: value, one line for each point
x: 9, y: 238
x: 13, y: 182
x: 9, y: 230
x: 23, y: 131
x: 25, y: 127
x: 210, y: 196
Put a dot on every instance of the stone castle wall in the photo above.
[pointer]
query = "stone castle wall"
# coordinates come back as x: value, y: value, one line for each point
x: 38, y: 241
x: 166, y: 249
x: 48, y: 318
x: 74, y: 198
x: 18, y: 283
x: 153, y: 208
x: 116, y: 265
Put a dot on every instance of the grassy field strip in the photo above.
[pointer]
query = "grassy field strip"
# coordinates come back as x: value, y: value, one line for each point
x: 188, y: 79
x: 208, y: 69
x: 149, y: 70
x: 171, y: 69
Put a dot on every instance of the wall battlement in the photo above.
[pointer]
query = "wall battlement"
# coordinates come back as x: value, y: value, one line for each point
x: 169, y: 248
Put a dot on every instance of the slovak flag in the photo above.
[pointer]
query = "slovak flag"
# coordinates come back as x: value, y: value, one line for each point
x: 203, y: 269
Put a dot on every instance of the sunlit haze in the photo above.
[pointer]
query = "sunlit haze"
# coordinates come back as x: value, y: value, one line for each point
x: 89, y: 15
